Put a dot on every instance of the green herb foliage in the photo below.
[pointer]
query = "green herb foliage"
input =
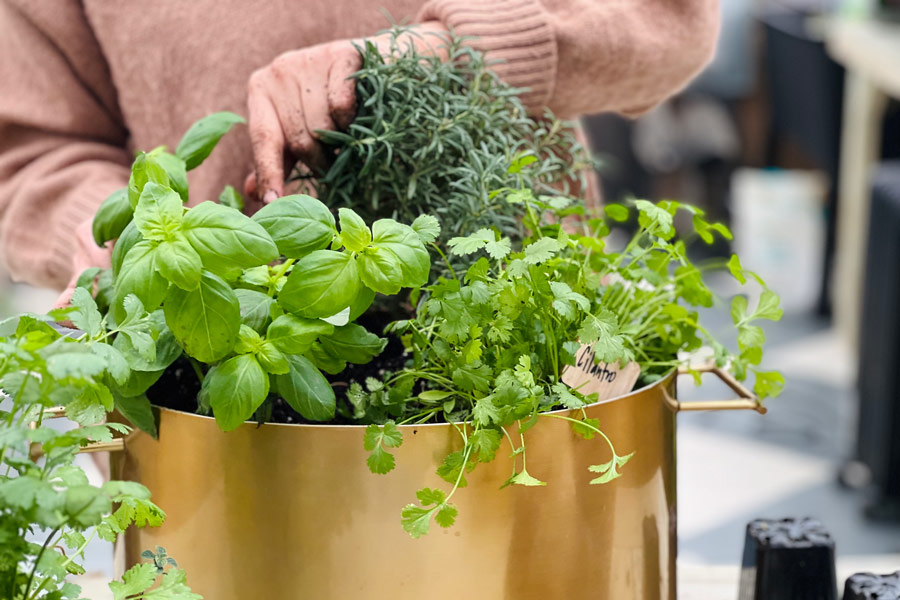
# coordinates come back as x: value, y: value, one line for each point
x: 259, y: 304
x: 49, y: 511
x: 437, y: 137
x: 488, y: 345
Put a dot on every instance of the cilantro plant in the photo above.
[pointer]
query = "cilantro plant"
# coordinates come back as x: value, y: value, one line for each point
x: 257, y: 305
x: 488, y: 346
x: 436, y: 137
x: 49, y: 511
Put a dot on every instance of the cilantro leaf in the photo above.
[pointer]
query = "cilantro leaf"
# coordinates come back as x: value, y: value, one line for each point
x: 566, y: 397
x: 380, y: 461
x: 427, y: 228
x: 416, y: 520
x: 768, y: 308
x: 498, y: 249
x: 474, y: 376
x: 135, y: 581
x: 485, y: 413
x: 523, y: 477
x: 737, y: 271
x: 485, y: 443
x: 768, y: 383
x: 453, y: 468
x: 616, y: 212
x: 446, y: 515
x: 567, y: 303
x: 375, y: 440
x: 86, y: 316
x: 609, y: 470
x: 586, y: 428
x: 540, y: 251
x: 462, y: 246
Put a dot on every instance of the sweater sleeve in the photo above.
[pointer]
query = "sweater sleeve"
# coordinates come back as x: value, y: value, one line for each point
x: 588, y: 56
x: 62, y: 141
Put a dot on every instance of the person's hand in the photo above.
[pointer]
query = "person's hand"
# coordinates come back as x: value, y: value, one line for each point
x: 302, y: 91
x: 85, y: 255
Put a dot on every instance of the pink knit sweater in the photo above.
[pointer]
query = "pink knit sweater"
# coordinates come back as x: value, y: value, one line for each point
x: 85, y: 83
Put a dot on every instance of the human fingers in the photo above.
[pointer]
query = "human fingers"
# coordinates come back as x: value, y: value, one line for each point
x: 342, y: 87
x: 266, y: 137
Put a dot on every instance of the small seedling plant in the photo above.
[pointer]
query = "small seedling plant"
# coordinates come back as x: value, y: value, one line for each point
x: 49, y: 511
x: 488, y: 345
x: 259, y: 305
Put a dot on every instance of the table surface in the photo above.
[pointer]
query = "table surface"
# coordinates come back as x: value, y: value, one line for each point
x: 695, y: 581
x: 868, y: 46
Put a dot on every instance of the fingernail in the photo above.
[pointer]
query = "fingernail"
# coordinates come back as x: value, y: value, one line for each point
x: 270, y: 196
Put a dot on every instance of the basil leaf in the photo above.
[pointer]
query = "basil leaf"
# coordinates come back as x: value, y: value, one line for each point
x: 320, y: 284
x: 248, y: 340
x: 295, y: 335
x: 179, y: 263
x: 353, y: 343
x: 145, y: 169
x: 112, y: 217
x: 256, y: 276
x: 139, y: 275
x: 167, y: 348
x: 175, y: 170
x: 379, y: 270
x: 137, y: 383
x: 361, y: 303
x: 205, y: 321
x: 299, y: 224
x: 116, y: 365
x: 236, y: 388
x: 105, y: 291
x: 405, y: 243
x: 231, y: 198
x: 306, y: 390
x: 203, y: 136
x: 128, y: 238
x: 254, y: 308
x: 227, y: 240
x: 159, y: 212
x: 138, y: 411
x: 272, y: 359
x: 325, y: 361
x: 354, y: 232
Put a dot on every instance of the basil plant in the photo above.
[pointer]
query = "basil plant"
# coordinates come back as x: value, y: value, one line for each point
x: 257, y: 305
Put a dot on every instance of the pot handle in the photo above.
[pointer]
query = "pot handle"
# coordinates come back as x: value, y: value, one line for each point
x: 58, y: 412
x: 746, y: 400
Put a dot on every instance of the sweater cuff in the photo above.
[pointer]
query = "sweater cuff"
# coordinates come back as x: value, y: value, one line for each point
x: 515, y: 32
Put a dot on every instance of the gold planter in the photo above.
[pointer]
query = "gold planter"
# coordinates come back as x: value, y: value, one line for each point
x: 281, y: 512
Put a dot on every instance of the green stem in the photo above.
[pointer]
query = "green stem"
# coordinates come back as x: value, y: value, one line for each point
x: 37, y: 561
x: 282, y: 269
x: 466, y: 453
x: 197, y: 369
x: 446, y: 261
x: 78, y: 552
x: 583, y: 424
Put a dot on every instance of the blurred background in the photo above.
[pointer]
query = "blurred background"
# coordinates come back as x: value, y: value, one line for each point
x: 790, y: 137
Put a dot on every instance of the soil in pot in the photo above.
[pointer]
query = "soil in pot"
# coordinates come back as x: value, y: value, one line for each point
x: 179, y: 385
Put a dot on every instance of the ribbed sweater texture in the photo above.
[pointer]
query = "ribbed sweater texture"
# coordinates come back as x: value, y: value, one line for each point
x: 86, y: 83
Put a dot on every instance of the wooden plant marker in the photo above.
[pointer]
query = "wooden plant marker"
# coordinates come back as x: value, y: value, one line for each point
x: 607, y: 380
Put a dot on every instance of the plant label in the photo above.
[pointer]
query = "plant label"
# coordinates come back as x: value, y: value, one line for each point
x: 607, y: 380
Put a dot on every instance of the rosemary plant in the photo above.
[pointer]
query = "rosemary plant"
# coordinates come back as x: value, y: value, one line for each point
x: 437, y: 137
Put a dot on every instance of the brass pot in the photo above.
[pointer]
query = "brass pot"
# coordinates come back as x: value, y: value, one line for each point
x: 292, y: 511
